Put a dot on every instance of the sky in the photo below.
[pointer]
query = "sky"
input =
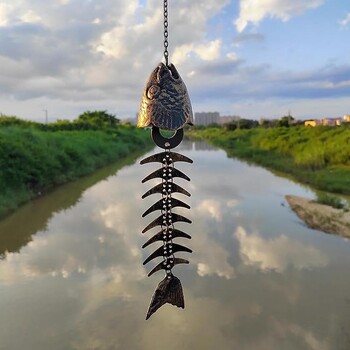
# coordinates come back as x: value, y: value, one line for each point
x: 252, y: 58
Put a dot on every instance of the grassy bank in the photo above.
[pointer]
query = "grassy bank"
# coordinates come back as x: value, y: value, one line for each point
x: 317, y: 156
x: 33, y: 160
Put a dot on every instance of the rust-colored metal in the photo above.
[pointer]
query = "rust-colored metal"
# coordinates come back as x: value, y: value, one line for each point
x: 169, y: 290
x: 165, y: 102
x: 166, y: 105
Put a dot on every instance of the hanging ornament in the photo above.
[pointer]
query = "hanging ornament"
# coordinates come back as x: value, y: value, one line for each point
x: 166, y: 105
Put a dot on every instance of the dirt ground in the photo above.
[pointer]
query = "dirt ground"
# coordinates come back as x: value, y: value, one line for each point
x: 321, y: 217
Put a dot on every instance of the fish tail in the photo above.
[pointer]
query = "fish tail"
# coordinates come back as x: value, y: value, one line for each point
x: 169, y: 290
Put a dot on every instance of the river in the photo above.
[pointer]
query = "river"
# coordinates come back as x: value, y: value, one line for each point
x: 71, y: 273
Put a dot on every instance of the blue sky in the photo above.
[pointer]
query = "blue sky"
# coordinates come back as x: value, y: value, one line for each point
x: 305, y: 41
x: 253, y: 58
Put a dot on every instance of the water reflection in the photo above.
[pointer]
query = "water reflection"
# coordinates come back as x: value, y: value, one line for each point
x: 258, y: 279
x: 17, y: 229
x: 279, y: 253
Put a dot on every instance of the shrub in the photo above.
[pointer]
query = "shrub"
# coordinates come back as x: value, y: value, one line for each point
x: 331, y: 200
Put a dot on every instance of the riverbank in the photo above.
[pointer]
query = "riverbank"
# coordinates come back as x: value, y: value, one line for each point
x: 321, y: 217
x: 317, y: 156
x: 33, y: 161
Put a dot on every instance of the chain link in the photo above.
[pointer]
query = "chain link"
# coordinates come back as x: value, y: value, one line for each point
x: 166, y: 33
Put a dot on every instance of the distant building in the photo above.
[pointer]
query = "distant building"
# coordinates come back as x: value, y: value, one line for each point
x: 228, y: 119
x: 324, y: 121
x: 206, y: 118
x: 331, y: 121
x: 346, y: 118
x: 312, y: 122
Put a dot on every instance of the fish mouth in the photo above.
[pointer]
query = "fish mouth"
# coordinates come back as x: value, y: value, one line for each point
x: 170, y: 70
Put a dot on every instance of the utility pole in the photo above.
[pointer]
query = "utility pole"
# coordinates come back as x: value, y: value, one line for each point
x: 46, y: 116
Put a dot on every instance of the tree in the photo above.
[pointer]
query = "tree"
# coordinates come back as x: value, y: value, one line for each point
x: 62, y: 124
x: 99, y: 119
x: 286, y: 121
x: 213, y: 125
x: 247, y: 124
x: 231, y: 126
x: 265, y: 123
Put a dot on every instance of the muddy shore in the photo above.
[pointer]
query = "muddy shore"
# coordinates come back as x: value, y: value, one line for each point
x: 321, y: 217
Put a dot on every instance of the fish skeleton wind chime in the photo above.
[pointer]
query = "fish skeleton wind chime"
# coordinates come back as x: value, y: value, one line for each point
x: 166, y: 105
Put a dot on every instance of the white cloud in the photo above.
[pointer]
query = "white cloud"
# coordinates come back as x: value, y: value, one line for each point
x: 210, y: 208
x: 95, y: 51
x: 112, y: 43
x: 30, y: 17
x: 345, y: 21
x: 5, y: 10
x: 232, y: 56
x: 215, y: 260
x: 278, y: 253
x: 207, y: 52
x: 254, y: 11
x: 232, y: 203
x: 212, y: 262
x: 181, y: 53
x: 118, y: 216
x: 284, y: 328
x: 68, y: 56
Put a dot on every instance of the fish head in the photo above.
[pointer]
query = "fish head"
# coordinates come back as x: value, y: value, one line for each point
x: 153, y: 86
x: 165, y: 102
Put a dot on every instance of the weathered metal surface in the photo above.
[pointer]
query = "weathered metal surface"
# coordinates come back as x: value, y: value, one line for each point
x: 169, y: 290
x: 167, y: 142
x: 164, y: 265
x: 169, y: 188
x: 164, y: 203
x: 166, y: 105
x: 167, y: 250
x: 165, y: 101
x: 174, y: 233
x: 166, y: 175
x: 164, y: 220
x: 166, y: 158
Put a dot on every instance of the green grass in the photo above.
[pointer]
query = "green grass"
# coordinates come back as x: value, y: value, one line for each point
x: 331, y: 200
x: 317, y: 156
x: 33, y: 161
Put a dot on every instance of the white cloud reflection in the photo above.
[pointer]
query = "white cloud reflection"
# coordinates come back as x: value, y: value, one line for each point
x: 210, y: 255
x: 278, y: 253
x: 307, y: 336
x: 88, y: 269
x: 209, y: 208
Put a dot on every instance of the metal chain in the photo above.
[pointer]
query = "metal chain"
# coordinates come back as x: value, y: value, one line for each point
x: 166, y: 33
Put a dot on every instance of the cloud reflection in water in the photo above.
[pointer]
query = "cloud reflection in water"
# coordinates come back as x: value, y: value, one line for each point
x: 279, y: 253
x: 253, y: 283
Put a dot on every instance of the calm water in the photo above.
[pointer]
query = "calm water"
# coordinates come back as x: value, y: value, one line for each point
x: 71, y: 274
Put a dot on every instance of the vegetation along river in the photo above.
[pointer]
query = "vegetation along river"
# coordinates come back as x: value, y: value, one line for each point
x: 71, y: 274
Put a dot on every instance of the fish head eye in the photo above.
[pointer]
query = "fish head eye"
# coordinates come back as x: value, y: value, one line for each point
x: 153, y: 92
